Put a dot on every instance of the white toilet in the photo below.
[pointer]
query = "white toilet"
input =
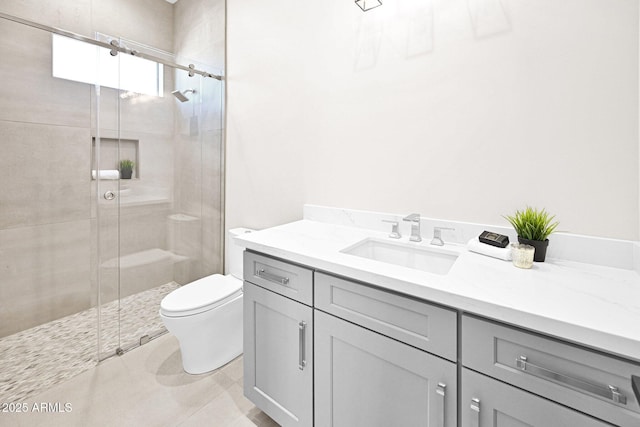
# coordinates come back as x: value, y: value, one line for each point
x: 206, y: 315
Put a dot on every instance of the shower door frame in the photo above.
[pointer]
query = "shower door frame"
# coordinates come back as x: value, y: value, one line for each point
x: 114, y: 46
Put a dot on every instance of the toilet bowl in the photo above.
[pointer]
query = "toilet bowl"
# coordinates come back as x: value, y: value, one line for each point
x: 206, y: 316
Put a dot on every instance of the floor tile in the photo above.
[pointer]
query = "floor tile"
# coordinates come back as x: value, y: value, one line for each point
x: 147, y: 387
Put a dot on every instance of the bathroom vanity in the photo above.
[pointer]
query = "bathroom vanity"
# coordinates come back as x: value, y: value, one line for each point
x: 336, y: 340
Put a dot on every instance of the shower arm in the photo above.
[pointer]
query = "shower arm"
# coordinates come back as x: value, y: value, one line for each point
x: 114, y: 46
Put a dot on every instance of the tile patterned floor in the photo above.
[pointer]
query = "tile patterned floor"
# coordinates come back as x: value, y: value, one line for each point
x: 36, y: 359
x: 145, y: 387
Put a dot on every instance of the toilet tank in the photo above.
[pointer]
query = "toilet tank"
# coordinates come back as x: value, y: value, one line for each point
x: 235, y: 252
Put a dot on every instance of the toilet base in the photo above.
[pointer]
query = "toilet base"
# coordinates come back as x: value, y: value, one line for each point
x: 208, y: 340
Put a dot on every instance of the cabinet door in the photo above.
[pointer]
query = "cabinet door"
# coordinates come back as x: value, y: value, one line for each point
x: 365, y: 379
x: 278, y: 358
x: 490, y: 403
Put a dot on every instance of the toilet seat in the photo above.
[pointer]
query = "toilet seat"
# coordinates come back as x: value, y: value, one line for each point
x: 200, y: 296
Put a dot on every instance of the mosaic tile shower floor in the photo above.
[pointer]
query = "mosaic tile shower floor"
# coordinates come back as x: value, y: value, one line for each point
x: 36, y: 359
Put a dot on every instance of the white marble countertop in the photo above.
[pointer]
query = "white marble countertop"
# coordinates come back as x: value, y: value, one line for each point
x: 591, y: 305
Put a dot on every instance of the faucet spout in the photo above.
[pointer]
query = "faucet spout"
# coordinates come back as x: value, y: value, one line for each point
x: 414, y: 218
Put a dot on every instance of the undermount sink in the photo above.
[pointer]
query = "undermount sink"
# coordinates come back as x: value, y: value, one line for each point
x: 432, y: 260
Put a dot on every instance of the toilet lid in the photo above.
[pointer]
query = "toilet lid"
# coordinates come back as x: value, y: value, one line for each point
x: 202, y: 295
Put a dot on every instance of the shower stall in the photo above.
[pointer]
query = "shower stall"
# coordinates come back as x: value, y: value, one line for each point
x: 111, y: 190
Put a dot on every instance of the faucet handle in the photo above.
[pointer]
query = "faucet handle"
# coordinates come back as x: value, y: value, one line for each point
x: 395, y: 233
x: 437, y: 235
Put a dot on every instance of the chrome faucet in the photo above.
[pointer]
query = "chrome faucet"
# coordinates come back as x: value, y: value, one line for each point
x: 437, y: 235
x: 415, y: 226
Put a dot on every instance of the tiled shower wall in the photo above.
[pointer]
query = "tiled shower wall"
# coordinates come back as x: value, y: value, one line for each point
x: 47, y: 215
x: 45, y: 211
x: 199, y: 32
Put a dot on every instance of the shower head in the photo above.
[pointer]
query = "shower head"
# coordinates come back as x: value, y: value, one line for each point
x: 180, y: 96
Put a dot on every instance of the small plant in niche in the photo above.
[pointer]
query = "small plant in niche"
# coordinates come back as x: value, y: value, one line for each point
x: 534, y: 228
x: 126, y: 168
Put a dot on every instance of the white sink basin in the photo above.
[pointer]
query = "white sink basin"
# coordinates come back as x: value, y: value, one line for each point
x: 432, y: 260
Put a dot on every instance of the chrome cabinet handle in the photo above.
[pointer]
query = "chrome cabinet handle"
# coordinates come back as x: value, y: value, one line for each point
x: 109, y: 195
x: 302, y: 326
x: 475, y: 412
x: 272, y: 277
x: 609, y: 391
x: 441, y: 391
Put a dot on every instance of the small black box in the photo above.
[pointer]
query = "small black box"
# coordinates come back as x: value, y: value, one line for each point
x: 494, y: 239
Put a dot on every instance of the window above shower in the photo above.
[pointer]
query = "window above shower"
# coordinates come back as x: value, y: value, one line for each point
x: 83, y: 62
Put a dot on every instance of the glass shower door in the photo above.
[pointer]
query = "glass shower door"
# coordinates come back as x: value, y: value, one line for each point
x: 132, y: 150
x: 145, y: 143
x: 105, y: 204
x: 159, y: 227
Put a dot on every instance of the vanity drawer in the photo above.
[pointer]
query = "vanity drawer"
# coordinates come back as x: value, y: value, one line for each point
x: 284, y: 278
x: 405, y: 319
x: 587, y: 380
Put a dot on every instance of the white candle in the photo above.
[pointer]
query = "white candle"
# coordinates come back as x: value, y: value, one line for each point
x: 522, y: 255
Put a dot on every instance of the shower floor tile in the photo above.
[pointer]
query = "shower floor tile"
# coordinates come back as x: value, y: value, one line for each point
x: 36, y: 359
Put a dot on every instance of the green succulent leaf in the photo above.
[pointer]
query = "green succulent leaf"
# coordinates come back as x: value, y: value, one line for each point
x: 126, y: 165
x: 532, y: 224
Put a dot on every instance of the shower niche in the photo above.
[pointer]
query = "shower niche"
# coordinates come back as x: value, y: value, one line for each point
x: 112, y: 152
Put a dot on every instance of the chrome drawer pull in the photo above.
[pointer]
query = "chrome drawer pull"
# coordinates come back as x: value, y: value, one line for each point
x: 441, y: 391
x: 301, y: 337
x: 272, y: 277
x: 475, y: 412
x: 609, y: 392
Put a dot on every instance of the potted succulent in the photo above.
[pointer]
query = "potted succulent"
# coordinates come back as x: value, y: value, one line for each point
x: 533, y: 227
x: 126, y: 168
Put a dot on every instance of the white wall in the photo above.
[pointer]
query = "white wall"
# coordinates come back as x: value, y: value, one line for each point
x: 457, y: 109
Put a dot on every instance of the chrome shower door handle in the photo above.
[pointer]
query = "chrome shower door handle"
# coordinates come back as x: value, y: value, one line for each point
x: 109, y: 195
x: 441, y: 391
x: 302, y: 326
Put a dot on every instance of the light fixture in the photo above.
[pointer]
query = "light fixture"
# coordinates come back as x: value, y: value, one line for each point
x: 368, y: 4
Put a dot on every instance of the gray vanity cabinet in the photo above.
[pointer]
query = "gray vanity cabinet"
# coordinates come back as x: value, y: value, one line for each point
x: 329, y: 351
x: 487, y: 402
x: 278, y: 344
x: 366, y: 379
x: 370, y: 366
